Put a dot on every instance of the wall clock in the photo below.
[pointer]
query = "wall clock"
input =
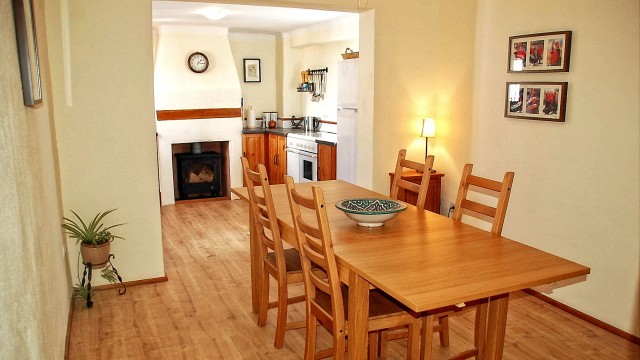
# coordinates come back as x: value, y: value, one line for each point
x: 198, y: 62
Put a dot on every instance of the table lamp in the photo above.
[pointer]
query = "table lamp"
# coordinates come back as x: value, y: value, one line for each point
x: 428, y: 131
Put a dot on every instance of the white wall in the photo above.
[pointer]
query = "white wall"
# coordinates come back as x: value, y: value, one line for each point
x: 177, y: 87
x: 576, y: 191
x: 34, y: 301
x: 261, y: 95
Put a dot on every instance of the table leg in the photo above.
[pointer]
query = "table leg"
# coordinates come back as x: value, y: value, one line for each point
x: 496, y: 326
x: 358, y: 322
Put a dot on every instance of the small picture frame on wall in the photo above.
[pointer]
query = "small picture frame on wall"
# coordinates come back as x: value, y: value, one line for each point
x: 545, y: 101
x: 27, y: 52
x: 542, y: 52
x: 252, y: 71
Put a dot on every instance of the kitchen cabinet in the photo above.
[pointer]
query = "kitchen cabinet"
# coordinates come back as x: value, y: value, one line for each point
x: 433, y: 195
x: 253, y: 148
x: 277, y: 158
x: 326, y: 162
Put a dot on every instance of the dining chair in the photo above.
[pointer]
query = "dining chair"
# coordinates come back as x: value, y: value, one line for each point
x: 326, y: 297
x: 421, y: 189
x: 494, y: 214
x: 280, y: 263
x: 399, y: 183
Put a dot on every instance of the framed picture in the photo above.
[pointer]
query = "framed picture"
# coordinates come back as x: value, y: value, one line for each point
x: 543, y: 52
x: 536, y: 100
x: 252, y: 71
x: 27, y: 52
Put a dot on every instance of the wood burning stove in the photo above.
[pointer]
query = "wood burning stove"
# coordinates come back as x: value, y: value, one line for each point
x: 199, y: 175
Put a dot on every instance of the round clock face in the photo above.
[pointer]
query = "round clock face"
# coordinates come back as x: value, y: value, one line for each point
x: 198, y: 62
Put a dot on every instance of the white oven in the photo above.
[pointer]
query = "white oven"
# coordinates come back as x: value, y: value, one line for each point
x: 302, y: 158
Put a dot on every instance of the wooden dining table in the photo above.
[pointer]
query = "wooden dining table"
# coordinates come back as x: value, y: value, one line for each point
x: 424, y: 260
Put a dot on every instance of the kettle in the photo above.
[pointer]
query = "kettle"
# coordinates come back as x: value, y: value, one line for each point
x: 311, y: 123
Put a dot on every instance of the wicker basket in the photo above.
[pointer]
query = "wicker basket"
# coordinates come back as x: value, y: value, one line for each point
x: 349, y: 54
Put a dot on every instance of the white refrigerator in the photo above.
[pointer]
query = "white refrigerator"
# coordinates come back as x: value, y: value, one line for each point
x: 347, y: 119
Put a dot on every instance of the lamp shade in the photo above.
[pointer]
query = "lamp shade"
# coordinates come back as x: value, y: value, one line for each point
x: 428, y: 128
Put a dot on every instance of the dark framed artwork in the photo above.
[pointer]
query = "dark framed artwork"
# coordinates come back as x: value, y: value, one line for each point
x: 252, y: 71
x: 27, y: 52
x: 542, y: 52
x: 545, y: 101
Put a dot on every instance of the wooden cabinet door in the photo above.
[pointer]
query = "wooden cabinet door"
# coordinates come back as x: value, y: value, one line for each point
x: 272, y: 163
x: 253, y: 149
x: 282, y: 158
x: 326, y: 162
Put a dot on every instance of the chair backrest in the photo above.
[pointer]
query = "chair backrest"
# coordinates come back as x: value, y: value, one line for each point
x: 398, y: 182
x: 319, y: 267
x: 497, y: 213
x: 264, y: 219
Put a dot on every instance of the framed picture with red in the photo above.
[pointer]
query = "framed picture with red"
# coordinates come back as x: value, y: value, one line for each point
x: 546, y: 101
x: 542, y: 52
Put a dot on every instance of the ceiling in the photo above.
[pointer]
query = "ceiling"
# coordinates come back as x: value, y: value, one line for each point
x: 240, y: 17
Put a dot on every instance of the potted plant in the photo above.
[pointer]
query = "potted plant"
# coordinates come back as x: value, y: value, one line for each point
x: 95, y: 240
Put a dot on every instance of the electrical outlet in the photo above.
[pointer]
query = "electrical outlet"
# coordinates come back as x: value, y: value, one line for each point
x: 452, y: 205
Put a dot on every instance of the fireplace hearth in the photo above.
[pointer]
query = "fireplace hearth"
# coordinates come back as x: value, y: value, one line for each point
x: 199, y: 175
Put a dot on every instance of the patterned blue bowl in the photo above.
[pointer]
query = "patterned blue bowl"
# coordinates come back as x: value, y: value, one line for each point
x: 371, y: 212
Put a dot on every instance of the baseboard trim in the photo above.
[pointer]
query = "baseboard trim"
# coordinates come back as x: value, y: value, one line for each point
x: 588, y: 318
x: 132, y: 283
x: 67, y: 344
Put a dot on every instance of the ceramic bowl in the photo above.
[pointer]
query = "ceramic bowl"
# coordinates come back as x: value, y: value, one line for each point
x: 371, y: 212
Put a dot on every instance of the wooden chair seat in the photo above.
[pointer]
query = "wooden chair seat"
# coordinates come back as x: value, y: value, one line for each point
x: 291, y: 258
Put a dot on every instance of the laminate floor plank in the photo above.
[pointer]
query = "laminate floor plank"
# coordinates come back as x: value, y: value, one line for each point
x: 204, y: 310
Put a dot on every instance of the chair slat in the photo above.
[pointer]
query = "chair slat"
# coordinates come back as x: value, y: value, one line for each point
x: 479, y: 208
x: 484, y: 183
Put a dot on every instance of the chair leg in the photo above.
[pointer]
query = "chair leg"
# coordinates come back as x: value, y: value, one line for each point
x: 281, y: 322
x: 444, y: 330
x: 310, y: 339
x: 373, y: 344
x: 264, y: 297
x: 383, y: 341
x: 427, y: 337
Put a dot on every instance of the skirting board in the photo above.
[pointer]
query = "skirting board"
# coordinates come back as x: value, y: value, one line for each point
x: 588, y: 318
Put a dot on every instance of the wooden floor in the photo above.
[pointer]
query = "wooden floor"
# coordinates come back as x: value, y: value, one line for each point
x: 204, y: 310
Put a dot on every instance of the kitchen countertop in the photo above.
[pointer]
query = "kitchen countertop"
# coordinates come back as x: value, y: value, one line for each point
x: 320, y: 137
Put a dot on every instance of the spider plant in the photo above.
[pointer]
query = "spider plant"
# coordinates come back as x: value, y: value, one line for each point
x: 95, y: 233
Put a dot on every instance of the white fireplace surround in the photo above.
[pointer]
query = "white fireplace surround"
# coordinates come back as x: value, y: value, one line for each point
x: 190, y: 131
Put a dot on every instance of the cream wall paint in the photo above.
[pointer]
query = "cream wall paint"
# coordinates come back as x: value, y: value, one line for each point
x: 105, y: 129
x: 177, y: 87
x: 576, y: 188
x: 261, y: 96
x: 36, y: 283
x: 289, y: 64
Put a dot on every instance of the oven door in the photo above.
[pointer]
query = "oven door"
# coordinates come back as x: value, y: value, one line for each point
x: 308, y: 166
x: 293, y: 164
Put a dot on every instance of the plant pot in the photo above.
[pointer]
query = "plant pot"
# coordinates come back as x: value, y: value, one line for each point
x: 97, y: 255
